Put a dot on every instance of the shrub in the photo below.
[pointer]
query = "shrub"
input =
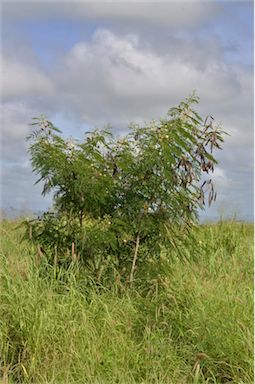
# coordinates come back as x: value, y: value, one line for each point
x: 122, y: 198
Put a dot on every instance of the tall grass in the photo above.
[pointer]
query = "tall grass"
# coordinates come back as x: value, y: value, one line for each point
x: 191, y: 322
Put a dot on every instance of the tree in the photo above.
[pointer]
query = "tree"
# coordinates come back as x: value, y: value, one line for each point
x: 123, y: 197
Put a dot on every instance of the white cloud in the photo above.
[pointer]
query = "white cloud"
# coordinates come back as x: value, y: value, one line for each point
x: 220, y: 178
x: 21, y: 79
x: 119, y: 78
x: 15, y: 117
x: 115, y: 78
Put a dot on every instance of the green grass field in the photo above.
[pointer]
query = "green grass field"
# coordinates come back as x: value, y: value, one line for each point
x: 192, y: 322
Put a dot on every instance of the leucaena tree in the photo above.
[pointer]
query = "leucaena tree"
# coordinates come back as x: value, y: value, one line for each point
x: 125, y: 197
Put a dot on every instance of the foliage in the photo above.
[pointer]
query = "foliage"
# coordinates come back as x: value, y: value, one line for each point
x: 134, y: 191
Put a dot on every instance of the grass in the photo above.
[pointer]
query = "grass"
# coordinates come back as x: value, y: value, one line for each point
x: 192, y: 322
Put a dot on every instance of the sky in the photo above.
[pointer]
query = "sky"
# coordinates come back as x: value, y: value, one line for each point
x: 88, y: 64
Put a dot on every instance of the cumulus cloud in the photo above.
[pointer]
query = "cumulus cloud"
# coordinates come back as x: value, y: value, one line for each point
x: 220, y: 177
x: 15, y: 116
x: 115, y: 78
x: 22, y: 78
x: 119, y: 78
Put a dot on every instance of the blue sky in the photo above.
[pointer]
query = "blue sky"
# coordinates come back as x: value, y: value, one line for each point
x: 86, y: 64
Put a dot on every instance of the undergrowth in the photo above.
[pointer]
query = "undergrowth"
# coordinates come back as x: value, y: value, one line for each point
x: 186, y: 319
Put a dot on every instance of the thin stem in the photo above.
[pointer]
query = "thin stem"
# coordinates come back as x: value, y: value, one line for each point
x: 73, y: 252
x: 55, y: 256
x: 131, y: 278
x: 81, y: 217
